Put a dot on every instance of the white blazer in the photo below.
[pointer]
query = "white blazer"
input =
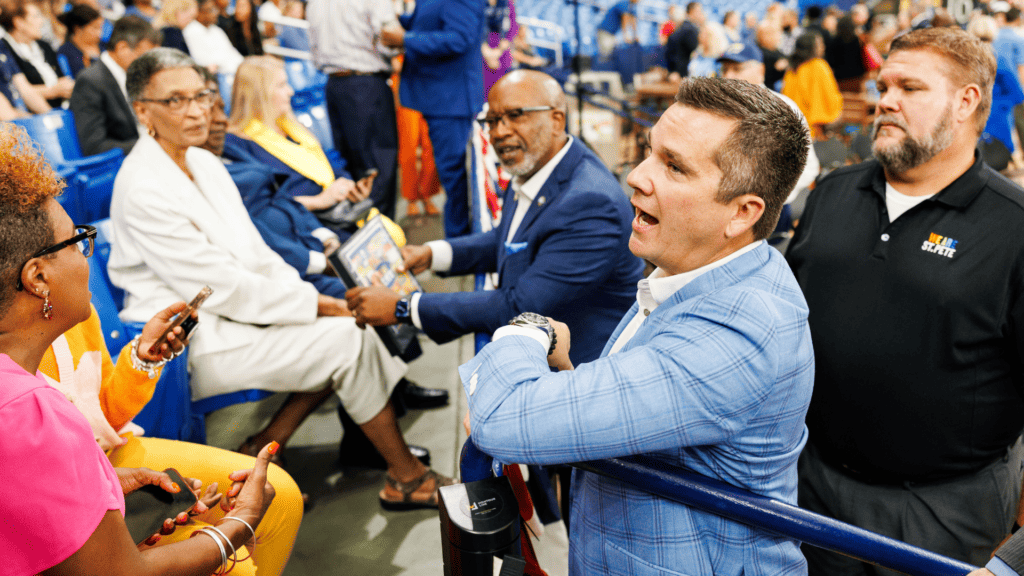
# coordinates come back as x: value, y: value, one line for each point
x: 172, y: 236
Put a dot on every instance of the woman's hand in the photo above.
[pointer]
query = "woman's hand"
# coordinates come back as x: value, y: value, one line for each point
x: 342, y: 189
x: 250, y: 494
x: 331, y: 306
x: 363, y: 187
x: 322, y: 201
x: 155, y: 327
x: 132, y: 479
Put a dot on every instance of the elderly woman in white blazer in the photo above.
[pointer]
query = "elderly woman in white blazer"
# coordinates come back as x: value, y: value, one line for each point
x: 179, y: 224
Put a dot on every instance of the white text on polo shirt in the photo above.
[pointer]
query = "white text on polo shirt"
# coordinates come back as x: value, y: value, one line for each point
x: 940, y: 245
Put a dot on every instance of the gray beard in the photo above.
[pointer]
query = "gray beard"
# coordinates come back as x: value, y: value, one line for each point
x: 909, y: 152
x: 525, y: 166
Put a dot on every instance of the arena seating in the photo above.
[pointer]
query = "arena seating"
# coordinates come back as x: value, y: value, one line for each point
x: 93, y: 177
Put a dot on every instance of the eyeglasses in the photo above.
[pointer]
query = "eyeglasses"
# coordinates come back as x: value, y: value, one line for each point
x: 204, y: 99
x: 511, y: 116
x: 82, y: 240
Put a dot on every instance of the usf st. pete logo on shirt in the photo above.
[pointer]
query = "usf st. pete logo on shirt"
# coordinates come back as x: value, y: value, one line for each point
x: 940, y: 245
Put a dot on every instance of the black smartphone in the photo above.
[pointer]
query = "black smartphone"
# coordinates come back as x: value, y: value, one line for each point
x: 183, y: 319
x: 146, y: 508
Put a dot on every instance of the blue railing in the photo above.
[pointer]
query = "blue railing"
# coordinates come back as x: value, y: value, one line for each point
x: 717, y: 497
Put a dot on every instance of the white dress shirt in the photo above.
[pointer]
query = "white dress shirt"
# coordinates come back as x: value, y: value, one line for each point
x: 33, y: 54
x: 526, y: 194
x: 344, y: 35
x: 210, y: 46
x: 121, y: 77
x: 657, y: 288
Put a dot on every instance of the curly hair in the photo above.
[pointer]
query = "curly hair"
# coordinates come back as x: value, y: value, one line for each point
x: 26, y: 183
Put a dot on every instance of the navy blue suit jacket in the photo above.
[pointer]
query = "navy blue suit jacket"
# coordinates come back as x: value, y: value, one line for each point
x: 569, y: 260
x: 443, y: 70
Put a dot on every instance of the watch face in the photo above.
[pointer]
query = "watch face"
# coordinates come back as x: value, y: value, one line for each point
x: 534, y: 318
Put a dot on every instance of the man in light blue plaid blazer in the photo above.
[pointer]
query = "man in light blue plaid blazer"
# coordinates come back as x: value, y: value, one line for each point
x: 710, y: 370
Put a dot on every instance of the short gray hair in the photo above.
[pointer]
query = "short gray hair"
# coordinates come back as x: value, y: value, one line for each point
x: 142, y: 70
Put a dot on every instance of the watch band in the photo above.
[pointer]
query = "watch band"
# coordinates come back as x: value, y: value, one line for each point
x: 402, y: 312
x: 534, y: 320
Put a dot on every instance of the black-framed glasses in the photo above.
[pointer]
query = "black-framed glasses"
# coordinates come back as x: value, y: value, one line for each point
x: 510, y: 116
x: 204, y: 99
x: 82, y: 241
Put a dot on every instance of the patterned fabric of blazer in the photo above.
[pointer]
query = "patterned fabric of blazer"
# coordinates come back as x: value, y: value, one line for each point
x: 716, y: 380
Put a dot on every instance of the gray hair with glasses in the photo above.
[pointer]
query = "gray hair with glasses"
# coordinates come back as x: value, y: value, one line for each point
x: 142, y: 70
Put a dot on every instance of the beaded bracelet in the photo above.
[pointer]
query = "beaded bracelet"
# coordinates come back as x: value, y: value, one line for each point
x: 144, y: 365
x: 223, y: 552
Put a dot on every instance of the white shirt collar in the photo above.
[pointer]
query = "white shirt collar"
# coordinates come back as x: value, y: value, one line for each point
x: 23, y: 50
x: 116, y: 71
x: 658, y: 287
x: 531, y: 187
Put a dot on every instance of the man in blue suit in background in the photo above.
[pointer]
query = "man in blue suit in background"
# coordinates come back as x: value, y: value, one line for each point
x: 710, y: 370
x: 442, y: 78
x: 560, y: 249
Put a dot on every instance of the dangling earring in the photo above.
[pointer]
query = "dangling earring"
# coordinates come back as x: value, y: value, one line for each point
x: 47, y: 307
x: 151, y: 131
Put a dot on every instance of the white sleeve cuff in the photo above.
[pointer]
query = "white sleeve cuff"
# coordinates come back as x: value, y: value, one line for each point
x: 536, y: 334
x: 441, y: 255
x: 324, y: 234
x: 317, y: 262
x: 414, y: 309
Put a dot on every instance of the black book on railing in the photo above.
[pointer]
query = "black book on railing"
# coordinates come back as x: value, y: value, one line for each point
x: 372, y: 250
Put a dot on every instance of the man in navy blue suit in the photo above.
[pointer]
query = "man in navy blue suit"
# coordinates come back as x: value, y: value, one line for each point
x: 442, y: 78
x: 561, y: 248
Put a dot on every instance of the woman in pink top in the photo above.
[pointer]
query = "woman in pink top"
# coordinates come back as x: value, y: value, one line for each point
x: 65, y: 504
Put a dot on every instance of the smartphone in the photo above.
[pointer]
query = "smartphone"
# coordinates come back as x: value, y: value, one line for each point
x: 183, y: 319
x: 146, y: 508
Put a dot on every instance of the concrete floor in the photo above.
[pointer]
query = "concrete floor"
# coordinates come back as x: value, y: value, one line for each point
x: 345, y: 531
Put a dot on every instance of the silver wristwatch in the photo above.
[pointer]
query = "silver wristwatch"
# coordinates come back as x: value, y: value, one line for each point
x: 533, y: 320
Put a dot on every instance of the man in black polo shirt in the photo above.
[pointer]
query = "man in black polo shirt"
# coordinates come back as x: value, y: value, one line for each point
x: 913, y: 269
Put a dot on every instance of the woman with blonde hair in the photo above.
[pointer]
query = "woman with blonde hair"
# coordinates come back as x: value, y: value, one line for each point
x: 174, y: 16
x: 263, y: 125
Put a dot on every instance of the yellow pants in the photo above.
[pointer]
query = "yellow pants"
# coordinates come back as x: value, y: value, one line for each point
x: 276, y: 533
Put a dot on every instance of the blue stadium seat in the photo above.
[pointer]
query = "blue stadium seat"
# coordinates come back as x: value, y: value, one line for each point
x: 226, y: 82
x: 70, y: 200
x: 105, y: 297
x: 54, y: 132
x: 316, y: 120
x: 303, y: 75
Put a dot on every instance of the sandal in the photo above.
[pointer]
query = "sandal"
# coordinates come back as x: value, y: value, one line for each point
x: 407, y: 489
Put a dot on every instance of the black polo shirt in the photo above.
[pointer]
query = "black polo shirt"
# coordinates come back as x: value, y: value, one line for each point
x: 918, y: 324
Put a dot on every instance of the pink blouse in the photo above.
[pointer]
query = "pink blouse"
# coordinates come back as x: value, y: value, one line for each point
x: 57, y: 482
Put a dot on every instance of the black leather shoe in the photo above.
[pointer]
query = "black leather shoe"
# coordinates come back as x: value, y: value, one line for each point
x: 416, y: 397
x: 361, y: 457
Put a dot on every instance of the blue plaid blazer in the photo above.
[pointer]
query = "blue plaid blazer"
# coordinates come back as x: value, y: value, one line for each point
x: 717, y: 380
